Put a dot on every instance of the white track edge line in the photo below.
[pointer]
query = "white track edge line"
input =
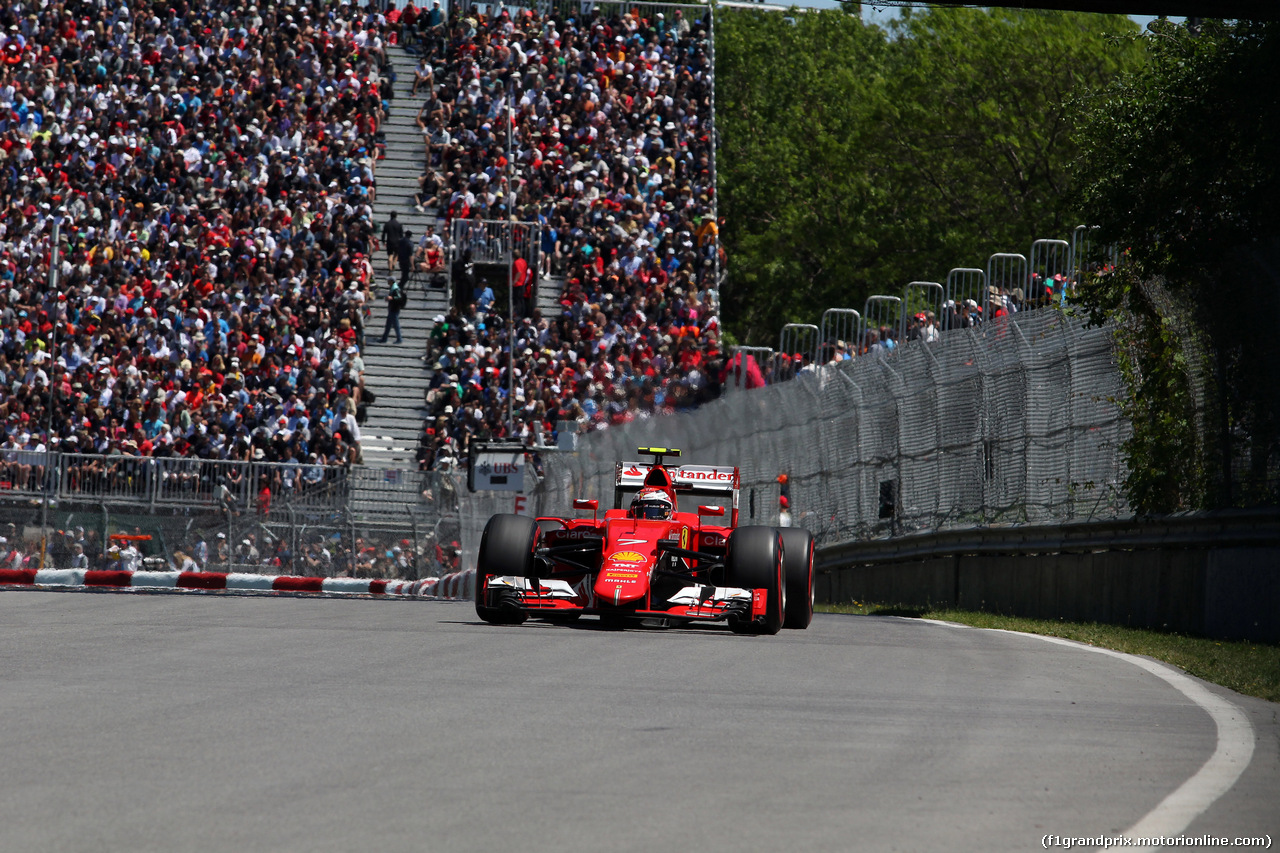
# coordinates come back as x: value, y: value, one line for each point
x: 1214, y: 778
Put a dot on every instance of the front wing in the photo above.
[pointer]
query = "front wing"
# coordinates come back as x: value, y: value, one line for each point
x: 693, y: 603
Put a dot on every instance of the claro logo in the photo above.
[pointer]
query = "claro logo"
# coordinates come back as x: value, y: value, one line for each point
x: 712, y: 539
x: 576, y: 533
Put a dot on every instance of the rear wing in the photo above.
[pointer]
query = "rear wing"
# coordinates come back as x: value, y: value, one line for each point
x: 696, y: 480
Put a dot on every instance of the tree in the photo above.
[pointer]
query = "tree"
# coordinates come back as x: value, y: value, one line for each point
x: 794, y: 95
x: 854, y: 160
x: 978, y: 134
x: 1178, y: 164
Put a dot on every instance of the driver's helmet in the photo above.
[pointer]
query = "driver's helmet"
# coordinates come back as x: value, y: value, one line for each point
x: 653, y: 504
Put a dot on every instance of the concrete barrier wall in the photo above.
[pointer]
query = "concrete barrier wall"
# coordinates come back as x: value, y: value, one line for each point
x: 1222, y: 591
x: 1242, y: 594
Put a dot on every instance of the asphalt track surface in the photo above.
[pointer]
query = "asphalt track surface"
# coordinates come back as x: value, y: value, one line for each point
x: 205, y: 722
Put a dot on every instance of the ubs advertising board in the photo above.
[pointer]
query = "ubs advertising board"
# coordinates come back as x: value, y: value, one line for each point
x: 498, y: 468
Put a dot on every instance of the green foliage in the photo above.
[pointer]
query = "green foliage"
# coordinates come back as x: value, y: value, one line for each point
x: 1178, y: 164
x: 978, y: 129
x: 1168, y: 469
x: 853, y: 160
x: 792, y: 95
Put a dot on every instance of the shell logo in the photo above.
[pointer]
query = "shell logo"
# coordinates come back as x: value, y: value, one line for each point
x: 626, y: 557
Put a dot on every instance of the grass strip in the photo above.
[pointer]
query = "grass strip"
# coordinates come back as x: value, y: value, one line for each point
x: 1249, y: 668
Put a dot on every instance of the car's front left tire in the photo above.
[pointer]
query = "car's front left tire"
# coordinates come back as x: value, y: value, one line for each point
x: 506, y: 548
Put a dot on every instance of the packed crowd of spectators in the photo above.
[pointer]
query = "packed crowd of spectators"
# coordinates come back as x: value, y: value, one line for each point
x: 211, y: 165
x: 212, y: 168
x: 611, y: 149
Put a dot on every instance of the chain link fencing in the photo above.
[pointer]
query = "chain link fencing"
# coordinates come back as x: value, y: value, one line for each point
x: 1012, y: 422
x: 63, y: 510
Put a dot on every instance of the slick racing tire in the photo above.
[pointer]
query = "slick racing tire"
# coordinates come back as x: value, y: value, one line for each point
x: 797, y: 573
x: 754, y: 561
x: 506, y: 548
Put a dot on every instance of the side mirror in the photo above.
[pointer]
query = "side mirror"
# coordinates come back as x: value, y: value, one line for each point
x: 710, y: 510
x: 591, y: 505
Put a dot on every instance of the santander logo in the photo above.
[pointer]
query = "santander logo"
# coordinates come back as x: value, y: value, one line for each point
x: 713, y: 474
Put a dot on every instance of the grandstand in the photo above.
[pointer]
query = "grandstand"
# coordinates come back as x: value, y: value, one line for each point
x: 214, y: 178
x: 610, y: 160
x: 192, y: 259
x: 211, y: 174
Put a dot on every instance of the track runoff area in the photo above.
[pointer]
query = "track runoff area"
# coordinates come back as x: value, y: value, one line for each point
x: 209, y: 722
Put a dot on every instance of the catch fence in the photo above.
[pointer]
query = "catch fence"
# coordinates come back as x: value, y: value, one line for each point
x: 1012, y: 422
x: 228, y: 516
x: 971, y: 297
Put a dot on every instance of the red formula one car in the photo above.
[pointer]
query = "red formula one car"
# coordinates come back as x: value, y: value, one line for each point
x: 647, y: 560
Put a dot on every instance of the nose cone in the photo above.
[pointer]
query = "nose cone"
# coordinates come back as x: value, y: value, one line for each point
x: 623, y: 579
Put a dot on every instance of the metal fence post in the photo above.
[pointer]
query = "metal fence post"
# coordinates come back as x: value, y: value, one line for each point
x: 231, y: 538
x: 413, y: 533
x: 152, y: 484
x: 355, y: 550
x: 295, y: 554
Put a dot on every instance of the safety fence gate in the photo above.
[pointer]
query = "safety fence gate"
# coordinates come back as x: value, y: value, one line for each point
x: 840, y: 328
x: 1007, y: 275
x: 797, y: 349
x: 966, y: 288
x: 1086, y: 257
x: 1051, y: 269
x: 881, y: 320
x: 921, y: 308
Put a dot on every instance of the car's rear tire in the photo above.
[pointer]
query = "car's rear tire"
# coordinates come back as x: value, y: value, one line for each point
x: 506, y: 548
x: 753, y: 560
x: 797, y: 563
